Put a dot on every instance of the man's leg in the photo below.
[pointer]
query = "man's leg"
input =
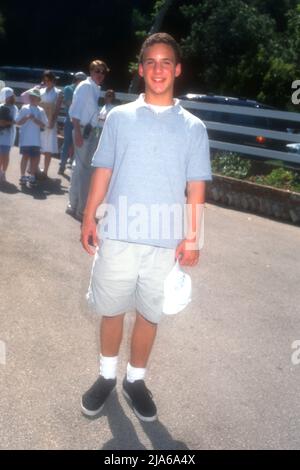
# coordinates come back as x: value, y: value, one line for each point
x: 111, y: 333
x: 86, y: 170
x: 142, y: 340
x: 75, y: 180
x: 134, y: 387
x: 66, y: 145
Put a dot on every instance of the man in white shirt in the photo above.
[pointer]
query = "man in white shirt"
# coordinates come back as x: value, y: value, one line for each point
x: 84, y: 112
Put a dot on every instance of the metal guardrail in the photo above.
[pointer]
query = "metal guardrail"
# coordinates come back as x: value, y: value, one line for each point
x: 219, y: 126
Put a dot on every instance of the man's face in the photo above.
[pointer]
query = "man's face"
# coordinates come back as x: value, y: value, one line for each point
x: 159, y: 70
x: 98, y: 74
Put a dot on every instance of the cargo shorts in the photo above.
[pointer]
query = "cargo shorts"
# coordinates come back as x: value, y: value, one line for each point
x: 127, y: 276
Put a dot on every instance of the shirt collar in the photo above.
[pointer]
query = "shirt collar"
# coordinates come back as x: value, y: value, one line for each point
x: 140, y: 102
x: 94, y: 84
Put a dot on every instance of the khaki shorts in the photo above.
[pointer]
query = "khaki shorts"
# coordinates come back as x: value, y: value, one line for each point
x: 127, y: 276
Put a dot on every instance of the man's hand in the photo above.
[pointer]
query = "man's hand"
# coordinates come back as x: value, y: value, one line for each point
x: 78, y: 139
x: 89, y: 238
x: 186, y: 255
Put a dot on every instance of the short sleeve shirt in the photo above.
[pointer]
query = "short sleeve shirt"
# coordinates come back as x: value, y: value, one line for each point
x: 153, y: 156
x: 30, y: 133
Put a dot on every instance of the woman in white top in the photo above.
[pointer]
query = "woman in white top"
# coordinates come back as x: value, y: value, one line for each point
x: 51, y: 101
x: 8, y: 115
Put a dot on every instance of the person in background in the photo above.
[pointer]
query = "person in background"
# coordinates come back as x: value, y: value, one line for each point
x: 8, y: 115
x: 31, y: 119
x: 68, y: 127
x: 51, y: 101
x: 84, y: 112
x: 109, y: 103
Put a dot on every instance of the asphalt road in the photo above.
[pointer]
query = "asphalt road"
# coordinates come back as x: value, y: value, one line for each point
x: 221, y: 371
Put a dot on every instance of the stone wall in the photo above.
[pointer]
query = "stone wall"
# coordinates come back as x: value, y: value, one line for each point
x: 248, y: 196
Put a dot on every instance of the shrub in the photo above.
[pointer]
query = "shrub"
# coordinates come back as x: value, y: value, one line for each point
x: 231, y: 164
x: 280, y: 178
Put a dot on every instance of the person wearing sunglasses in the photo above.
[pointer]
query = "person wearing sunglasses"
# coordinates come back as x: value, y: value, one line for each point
x: 84, y: 112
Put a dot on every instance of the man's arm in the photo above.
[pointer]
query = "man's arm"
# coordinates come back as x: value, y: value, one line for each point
x: 188, y: 250
x: 77, y: 132
x: 98, y: 189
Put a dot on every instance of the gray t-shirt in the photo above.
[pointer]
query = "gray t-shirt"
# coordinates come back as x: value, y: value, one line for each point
x: 153, y: 156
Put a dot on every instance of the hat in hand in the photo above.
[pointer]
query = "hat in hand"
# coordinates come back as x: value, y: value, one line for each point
x: 177, y: 290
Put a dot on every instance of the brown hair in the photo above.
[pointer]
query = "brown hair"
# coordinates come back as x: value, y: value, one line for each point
x: 98, y: 63
x: 161, y: 38
x: 50, y: 75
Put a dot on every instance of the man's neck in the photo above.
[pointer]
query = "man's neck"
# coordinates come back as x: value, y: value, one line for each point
x: 158, y: 100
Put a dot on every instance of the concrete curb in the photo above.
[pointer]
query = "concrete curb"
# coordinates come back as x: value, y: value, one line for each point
x: 252, y: 197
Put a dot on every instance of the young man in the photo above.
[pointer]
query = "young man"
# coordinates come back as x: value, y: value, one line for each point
x: 84, y: 112
x: 68, y: 127
x: 150, y: 153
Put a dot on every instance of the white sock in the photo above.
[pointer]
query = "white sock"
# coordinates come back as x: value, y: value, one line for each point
x: 108, y: 366
x: 135, y: 373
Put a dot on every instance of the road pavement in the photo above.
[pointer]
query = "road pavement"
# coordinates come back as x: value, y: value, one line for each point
x: 224, y: 373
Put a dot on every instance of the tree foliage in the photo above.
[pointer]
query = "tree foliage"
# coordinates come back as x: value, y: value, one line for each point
x: 244, y: 48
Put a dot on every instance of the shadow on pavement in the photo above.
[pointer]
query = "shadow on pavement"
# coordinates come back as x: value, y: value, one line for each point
x: 8, y: 188
x: 45, y: 188
x: 125, y: 436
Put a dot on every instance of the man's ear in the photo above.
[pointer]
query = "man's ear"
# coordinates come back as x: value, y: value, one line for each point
x: 141, y: 70
x: 178, y: 70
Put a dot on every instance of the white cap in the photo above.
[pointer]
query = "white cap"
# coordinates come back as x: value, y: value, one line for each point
x: 6, y: 92
x: 80, y: 76
x: 177, y: 290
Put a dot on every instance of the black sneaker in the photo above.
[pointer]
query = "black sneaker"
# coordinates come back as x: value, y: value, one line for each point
x: 32, y: 182
x: 140, y: 399
x: 93, y: 400
x: 61, y: 170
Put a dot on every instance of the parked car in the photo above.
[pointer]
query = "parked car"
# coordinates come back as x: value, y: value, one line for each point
x: 260, y: 122
x: 33, y: 75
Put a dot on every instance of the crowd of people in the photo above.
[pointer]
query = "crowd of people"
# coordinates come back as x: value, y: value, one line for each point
x: 37, y: 122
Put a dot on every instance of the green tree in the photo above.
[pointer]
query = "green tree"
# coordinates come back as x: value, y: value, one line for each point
x: 223, y: 36
x: 282, y: 63
x: 245, y: 48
